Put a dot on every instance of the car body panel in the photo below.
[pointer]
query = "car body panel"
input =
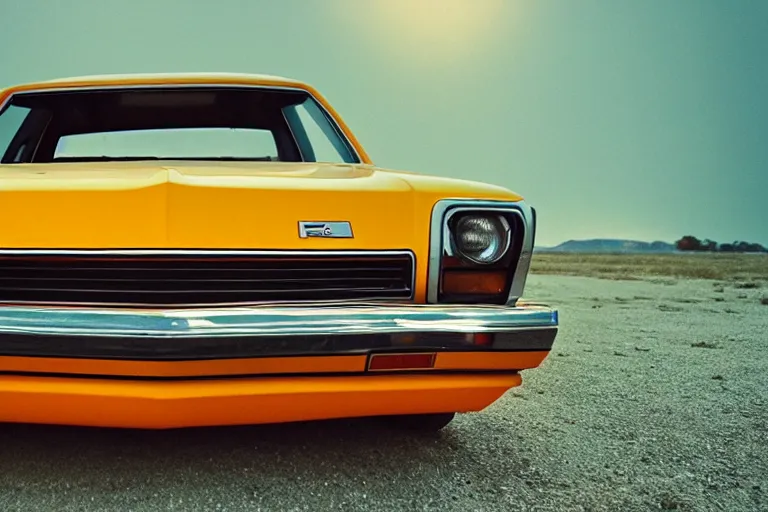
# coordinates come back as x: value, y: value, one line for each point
x: 300, y: 365
x: 139, y: 367
x: 254, y: 205
x: 163, y: 405
x: 193, y: 79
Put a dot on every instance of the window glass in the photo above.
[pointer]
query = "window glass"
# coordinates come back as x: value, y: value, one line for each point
x: 171, y: 143
x: 317, y: 138
x: 10, y: 121
x: 208, y: 123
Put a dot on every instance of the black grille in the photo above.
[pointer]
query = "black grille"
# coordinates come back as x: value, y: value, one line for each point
x: 202, y: 279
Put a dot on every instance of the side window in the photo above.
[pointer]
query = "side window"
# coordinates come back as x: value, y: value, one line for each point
x: 317, y: 138
x: 10, y: 121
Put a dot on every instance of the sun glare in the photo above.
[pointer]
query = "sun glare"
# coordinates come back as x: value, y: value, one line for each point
x: 436, y: 29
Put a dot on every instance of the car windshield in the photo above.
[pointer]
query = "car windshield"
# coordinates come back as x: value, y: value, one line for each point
x: 191, y: 123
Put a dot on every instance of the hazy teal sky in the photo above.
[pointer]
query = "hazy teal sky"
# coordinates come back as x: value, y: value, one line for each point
x: 614, y: 118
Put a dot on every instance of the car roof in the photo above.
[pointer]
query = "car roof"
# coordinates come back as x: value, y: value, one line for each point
x: 162, y: 78
x: 202, y: 78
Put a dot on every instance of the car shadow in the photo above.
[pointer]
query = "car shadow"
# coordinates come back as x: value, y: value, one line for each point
x: 126, y: 457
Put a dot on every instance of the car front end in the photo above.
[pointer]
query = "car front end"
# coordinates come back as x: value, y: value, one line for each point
x: 170, y: 292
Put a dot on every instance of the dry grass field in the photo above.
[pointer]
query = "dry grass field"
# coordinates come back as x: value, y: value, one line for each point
x: 752, y: 269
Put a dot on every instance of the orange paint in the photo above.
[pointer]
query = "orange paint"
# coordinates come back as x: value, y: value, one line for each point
x: 157, y: 405
x: 238, y: 205
x: 216, y: 367
x: 489, y: 360
x: 231, y: 205
x: 212, y: 79
x: 192, y: 205
x: 257, y: 366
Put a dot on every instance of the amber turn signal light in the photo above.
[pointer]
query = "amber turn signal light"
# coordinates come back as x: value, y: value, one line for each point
x: 472, y: 282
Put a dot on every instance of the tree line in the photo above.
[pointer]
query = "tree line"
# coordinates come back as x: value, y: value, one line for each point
x: 691, y: 243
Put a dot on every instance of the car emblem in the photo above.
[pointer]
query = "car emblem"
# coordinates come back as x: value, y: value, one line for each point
x: 325, y: 229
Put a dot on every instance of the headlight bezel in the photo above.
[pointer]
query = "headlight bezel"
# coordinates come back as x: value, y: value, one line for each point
x: 515, y: 262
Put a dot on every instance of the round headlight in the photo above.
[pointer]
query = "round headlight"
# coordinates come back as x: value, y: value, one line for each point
x: 482, y: 238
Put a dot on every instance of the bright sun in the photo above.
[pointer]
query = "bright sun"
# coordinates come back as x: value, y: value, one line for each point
x: 435, y: 29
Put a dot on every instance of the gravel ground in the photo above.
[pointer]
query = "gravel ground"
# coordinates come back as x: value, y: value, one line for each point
x: 653, y: 398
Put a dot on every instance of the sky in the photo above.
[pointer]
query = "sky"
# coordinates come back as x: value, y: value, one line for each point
x: 632, y: 119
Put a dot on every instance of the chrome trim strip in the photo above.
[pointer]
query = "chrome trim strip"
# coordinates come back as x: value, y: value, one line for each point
x: 526, y: 253
x: 202, y: 252
x: 325, y: 229
x: 211, y: 252
x: 195, y: 305
x: 438, y: 227
x: 234, y: 84
x: 275, y: 320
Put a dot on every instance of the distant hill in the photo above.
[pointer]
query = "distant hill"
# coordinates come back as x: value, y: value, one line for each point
x: 609, y: 245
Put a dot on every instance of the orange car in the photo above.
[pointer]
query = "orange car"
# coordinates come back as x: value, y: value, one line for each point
x: 219, y: 249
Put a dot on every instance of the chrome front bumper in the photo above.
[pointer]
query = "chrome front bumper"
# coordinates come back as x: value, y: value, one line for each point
x: 270, y: 330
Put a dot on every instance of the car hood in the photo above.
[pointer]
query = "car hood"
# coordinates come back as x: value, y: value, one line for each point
x: 182, y: 204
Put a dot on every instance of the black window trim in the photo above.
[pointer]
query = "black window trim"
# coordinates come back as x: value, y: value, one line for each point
x: 353, y: 153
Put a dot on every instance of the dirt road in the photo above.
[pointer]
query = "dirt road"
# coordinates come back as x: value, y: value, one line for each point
x: 655, y: 397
